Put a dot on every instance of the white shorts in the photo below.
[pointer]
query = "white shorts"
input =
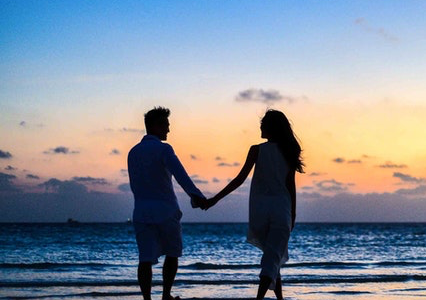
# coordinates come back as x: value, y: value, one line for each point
x: 155, y: 240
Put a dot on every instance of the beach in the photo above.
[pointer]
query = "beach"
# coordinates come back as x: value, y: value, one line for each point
x: 327, y: 261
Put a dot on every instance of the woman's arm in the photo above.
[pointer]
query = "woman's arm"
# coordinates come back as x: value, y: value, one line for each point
x: 241, y: 177
x: 291, y: 187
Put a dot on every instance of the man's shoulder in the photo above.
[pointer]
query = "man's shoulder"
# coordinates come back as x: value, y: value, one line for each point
x: 143, y: 145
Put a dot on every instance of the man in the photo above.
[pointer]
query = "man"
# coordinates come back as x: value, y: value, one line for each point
x: 156, y: 216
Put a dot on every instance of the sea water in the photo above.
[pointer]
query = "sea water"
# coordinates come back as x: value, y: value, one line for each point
x: 327, y: 261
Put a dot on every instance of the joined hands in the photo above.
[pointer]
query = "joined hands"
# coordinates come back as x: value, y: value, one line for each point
x: 203, y: 203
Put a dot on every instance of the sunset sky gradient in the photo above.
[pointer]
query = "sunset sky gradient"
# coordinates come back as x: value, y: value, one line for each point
x: 76, y: 78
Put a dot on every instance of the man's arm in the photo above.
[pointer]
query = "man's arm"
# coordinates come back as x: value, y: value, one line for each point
x: 178, y: 171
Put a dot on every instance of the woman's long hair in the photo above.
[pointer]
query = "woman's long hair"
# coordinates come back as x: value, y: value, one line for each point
x: 278, y: 129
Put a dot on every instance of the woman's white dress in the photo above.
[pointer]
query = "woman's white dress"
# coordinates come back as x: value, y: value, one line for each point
x: 270, y: 209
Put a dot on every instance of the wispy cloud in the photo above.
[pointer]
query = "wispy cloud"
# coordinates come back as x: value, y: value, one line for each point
x: 10, y: 168
x: 25, y: 124
x: 32, y: 176
x: 408, y: 178
x: 378, y: 31
x: 219, y: 158
x: 131, y: 130
x: 197, y: 180
x: 355, y: 161
x: 315, y: 174
x: 391, y: 165
x: 263, y: 96
x: 90, y: 180
x: 224, y: 164
x: 193, y: 157
x: 339, y: 160
x: 61, y: 150
x: 5, y: 154
x: 215, y: 180
x: 332, y: 185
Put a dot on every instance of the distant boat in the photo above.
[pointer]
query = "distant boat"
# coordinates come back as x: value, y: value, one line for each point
x: 72, y: 221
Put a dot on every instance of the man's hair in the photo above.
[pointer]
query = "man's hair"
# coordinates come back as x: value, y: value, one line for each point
x: 155, y: 116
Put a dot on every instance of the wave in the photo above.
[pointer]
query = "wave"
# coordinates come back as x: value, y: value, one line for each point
x: 294, y: 280
x: 210, y: 266
x: 319, y: 265
x: 49, y: 265
x: 90, y: 294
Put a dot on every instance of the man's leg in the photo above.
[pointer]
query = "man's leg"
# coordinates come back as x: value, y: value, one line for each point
x: 169, y: 273
x: 145, y: 279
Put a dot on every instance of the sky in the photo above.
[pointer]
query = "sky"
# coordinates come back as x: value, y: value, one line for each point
x: 76, y: 78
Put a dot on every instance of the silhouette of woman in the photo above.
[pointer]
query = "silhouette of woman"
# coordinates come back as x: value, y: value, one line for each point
x: 272, y: 205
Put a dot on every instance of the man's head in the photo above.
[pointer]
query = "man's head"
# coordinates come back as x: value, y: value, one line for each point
x: 157, y: 122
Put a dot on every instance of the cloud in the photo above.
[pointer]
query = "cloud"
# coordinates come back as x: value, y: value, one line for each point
x: 115, y: 152
x: 5, y: 154
x: 124, y: 187
x: 339, y: 160
x: 193, y: 157
x: 10, y: 168
x: 124, y: 172
x: 354, y: 161
x: 63, y: 200
x: 378, y: 31
x: 224, y: 164
x: 219, y: 158
x: 408, y: 178
x: 215, y: 180
x: 5, y: 183
x: 26, y: 125
x: 70, y: 199
x: 32, y: 176
x: 197, y: 180
x: 131, y: 130
x: 61, y: 150
x: 264, y: 96
x: 91, y: 180
x: 417, y: 191
x: 350, y: 207
x: 314, y: 174
x: 331, y: 185
x: 391, y: 165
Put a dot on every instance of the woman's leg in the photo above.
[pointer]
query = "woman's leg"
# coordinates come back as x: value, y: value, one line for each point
x: 278, y: 287
x: 264, y: 283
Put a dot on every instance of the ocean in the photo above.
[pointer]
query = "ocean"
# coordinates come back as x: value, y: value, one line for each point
x: 327, y: 261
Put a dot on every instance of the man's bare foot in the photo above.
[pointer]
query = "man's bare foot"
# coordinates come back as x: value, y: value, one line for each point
x: 171, y: 298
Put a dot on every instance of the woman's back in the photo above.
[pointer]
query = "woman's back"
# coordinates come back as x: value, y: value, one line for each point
x: 270, y: 174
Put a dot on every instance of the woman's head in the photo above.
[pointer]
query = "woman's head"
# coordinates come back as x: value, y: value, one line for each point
x: 274, y: 124
x: 276, y: 128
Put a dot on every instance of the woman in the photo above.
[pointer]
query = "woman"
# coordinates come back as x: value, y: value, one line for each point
x: 272, y: 208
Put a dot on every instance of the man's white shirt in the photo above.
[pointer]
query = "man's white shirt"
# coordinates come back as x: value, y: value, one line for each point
x: 151, y: 165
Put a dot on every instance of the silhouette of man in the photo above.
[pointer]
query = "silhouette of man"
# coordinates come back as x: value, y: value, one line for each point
x: 156, y: 215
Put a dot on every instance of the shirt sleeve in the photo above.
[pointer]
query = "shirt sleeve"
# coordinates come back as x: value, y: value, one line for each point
x: 175, y: 167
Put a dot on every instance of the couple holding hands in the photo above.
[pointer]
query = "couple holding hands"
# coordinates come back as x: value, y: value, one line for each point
x: 272, y: 203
